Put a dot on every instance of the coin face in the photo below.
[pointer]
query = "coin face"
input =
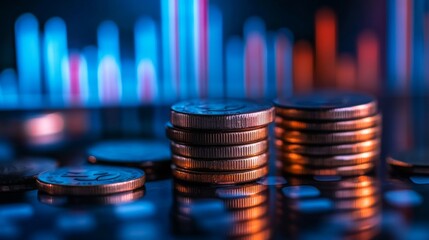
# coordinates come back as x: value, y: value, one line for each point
x: 137, y: 153
x: 90, y: 180
x: 20, y: 175
x: 219, y: 107
x: 221, y: 114
x: 327, y: 105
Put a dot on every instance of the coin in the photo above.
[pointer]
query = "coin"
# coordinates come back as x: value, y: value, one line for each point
x: 413, y: 161
x: 216, y: 137
x: 353, y: 170
x: 221, y: 114
x: 329, y: 161
x: 220, y: 177
x: 90, y: 180
x: 323, y: 150
x: 233, y: 164
x: 326, y: 105
x: 111, y: 199
x: 347, y: 125
x: 20, y: 175
x: 234, y: 191
x: 230, y: 203
x: 220, y: 152
x: 134, y: 153
x: 327, y: 138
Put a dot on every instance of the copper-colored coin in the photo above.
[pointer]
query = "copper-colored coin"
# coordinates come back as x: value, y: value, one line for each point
x: 413, y: 161
x: 230, y: 203
x: 248, y: 227
x: 216, y: 137
x: 347, y: 125
x: 337, y: 182
x: 329, y: 161
x: 221, y: 114
x: 220, y: 177
x: 234, y: 191
x: 233, y: 164
x: 90, y: 180
x: 249, y: 213
x: 323, y: 150
x: 352, y: 170
x: 327, y: 106
x: 327, y: 138
x: 220, y: 152
x: 356, y: 203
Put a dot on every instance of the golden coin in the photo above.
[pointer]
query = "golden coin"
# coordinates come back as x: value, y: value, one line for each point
x: 216, y: 137
x: 220, y: 177
x: 233, y: 164
x: 90, y: 180
x: 337, y: 149
x: 348, y: 125
x: 353, y: 170
x: 221, y: 114
x: 329, y: 161
x: 220, y: 152
x: 327, y: 138
x: 327, y: 106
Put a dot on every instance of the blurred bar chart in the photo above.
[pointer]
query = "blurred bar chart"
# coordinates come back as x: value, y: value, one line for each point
x: 186, y: 52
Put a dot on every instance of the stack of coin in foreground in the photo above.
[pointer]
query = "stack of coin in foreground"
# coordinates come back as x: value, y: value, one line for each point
x: 219, y: 141
x: 328, y: 133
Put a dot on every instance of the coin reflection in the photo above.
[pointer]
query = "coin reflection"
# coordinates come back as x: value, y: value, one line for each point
x: 112, y: 199
x: 234, y: 211
x: 348, y: 207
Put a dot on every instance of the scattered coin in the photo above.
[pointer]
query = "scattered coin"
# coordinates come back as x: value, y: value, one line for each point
x: 20, y: 175
x: 90, y: 180
x: 216, y: 137
x: 133, y: 153
x: 221, y: 114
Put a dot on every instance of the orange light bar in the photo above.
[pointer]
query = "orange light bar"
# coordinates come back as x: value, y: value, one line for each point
x: 303, y: 67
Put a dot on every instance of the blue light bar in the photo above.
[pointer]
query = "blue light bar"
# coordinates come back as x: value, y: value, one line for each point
x: 235, y: 68
x: 8, y: 89
x: 215, y: 66
x: 28, y: 58
x: 55, y: 52
x: 91, y: 60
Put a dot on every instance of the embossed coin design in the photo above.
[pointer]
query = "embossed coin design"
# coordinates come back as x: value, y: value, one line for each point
x: 20, y: 175
x: 135, y: 153
x: 327, y: 105
x: 90, y: 180
x: 221, y: 114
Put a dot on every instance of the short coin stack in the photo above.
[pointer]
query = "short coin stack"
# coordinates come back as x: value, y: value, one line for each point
x: 220, y: 141
x: 328, y: 133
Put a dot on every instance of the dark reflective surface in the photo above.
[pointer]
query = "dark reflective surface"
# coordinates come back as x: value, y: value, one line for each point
x: 379, y: 206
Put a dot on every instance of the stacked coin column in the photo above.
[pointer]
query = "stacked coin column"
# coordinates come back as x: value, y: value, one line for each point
x: 219, y: 141
x: 328, y: 133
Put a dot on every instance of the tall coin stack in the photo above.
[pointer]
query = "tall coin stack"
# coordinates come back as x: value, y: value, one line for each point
x: 328, y: 133
x: 219, y: 141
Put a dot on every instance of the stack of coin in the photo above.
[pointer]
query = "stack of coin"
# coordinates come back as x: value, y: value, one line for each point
x: 240, y: 210
x: 328, y: 133
x: 219, y: 141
